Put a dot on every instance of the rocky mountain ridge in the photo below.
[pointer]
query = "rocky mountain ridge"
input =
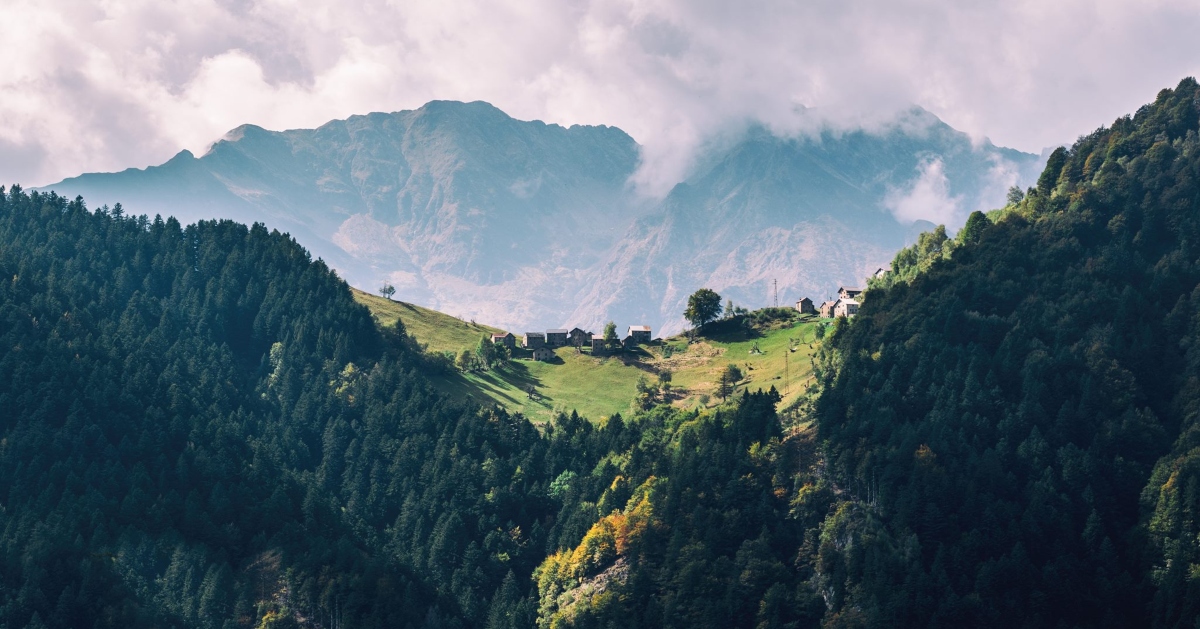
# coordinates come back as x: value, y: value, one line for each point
x: 530, y: 225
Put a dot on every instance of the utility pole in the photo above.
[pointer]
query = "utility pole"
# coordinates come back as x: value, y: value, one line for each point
x: 787, y: 370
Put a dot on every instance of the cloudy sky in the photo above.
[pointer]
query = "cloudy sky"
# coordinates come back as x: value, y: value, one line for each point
x: 89, y: 85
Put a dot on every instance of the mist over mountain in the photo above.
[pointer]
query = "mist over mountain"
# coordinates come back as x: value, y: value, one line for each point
x: 798, y: 216
x: 527, y: 225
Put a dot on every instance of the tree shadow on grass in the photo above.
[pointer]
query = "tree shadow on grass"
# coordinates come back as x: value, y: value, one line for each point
x: 513, y: 375
x: 491, y: 386
x: 637, y: 357
x: 731, y: 335
x: 517, y: 374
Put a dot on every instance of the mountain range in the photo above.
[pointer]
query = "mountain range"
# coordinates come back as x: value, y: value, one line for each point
x: 527, y: 225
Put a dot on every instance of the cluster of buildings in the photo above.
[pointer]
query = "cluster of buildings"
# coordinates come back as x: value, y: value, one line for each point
x: 542, y: 344
x: 846, y: 305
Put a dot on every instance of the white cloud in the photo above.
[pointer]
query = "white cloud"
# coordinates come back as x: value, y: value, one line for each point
x: 105, y: 85
x: 927, y: 197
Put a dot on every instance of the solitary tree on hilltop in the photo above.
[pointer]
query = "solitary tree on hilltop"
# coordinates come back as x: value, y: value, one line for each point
x: 703, y: 306
x: 387, y: 290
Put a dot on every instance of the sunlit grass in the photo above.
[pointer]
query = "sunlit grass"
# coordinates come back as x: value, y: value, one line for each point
x: 598, y: 387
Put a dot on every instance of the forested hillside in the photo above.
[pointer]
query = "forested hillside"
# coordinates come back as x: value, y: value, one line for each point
x: 1015, y: 424
x: 201, y: 428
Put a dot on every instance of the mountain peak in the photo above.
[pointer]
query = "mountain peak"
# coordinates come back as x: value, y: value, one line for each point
x: 182, y: 156
x: 240, y: 132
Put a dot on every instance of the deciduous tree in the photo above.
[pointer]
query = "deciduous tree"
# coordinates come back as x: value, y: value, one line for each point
x: 703, y: 306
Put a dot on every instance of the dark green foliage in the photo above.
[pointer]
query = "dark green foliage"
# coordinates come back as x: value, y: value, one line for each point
x: 1054, y: 166
x: 704, y: 305
x: 931, y: 247
x: 707, y: 537
x: 201, y: 428
x: 971, y: 232
x: 1015, y: 195
x: 1016, y: 426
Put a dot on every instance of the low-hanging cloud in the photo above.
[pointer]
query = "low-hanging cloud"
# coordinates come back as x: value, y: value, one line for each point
x: 107, y: 85
x: 927, y: 197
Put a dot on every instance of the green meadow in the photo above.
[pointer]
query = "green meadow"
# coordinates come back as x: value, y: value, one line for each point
x: 770, y: 353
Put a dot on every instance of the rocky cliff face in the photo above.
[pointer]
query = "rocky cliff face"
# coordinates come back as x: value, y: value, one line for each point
x: 528, y: 225
x: 796, y: 216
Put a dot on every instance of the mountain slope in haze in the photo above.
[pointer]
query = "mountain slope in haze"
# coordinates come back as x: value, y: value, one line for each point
x: 457, y: 204
x: 1014, y: 428
x: 529, y: 225
x: 803, y: 214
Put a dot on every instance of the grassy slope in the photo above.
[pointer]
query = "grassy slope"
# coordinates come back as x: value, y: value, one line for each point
x: 697, y: 367
x: 599, y: 387
x: 440, y: 332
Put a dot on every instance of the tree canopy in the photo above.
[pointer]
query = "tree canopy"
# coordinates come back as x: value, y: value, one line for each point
x: 704, y: 305
x: 387, y: 290
x: 1013, y: 418
x: 201, y: 428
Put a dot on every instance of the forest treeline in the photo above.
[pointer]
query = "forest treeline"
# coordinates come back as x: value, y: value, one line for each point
x: 1014, y: 415
x: 199, y: 427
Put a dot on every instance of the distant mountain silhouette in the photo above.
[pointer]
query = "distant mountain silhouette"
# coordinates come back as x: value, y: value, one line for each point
x: 529, y: 225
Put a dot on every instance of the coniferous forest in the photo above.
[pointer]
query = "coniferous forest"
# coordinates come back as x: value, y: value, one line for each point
x: 199, y: 427
x: 202, y: 429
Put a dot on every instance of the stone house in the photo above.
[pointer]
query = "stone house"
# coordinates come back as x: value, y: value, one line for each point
x: 805, y: 306
x: 506, y: 339
x: 639, y: 334
x: 556, y: 338
x: 846, y: 308
x: 598, y: 345
x: 543, y: 353
x: 827, y: 309
x: 577, y: 337
x: 534, y: 340
x: 848, y: 292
